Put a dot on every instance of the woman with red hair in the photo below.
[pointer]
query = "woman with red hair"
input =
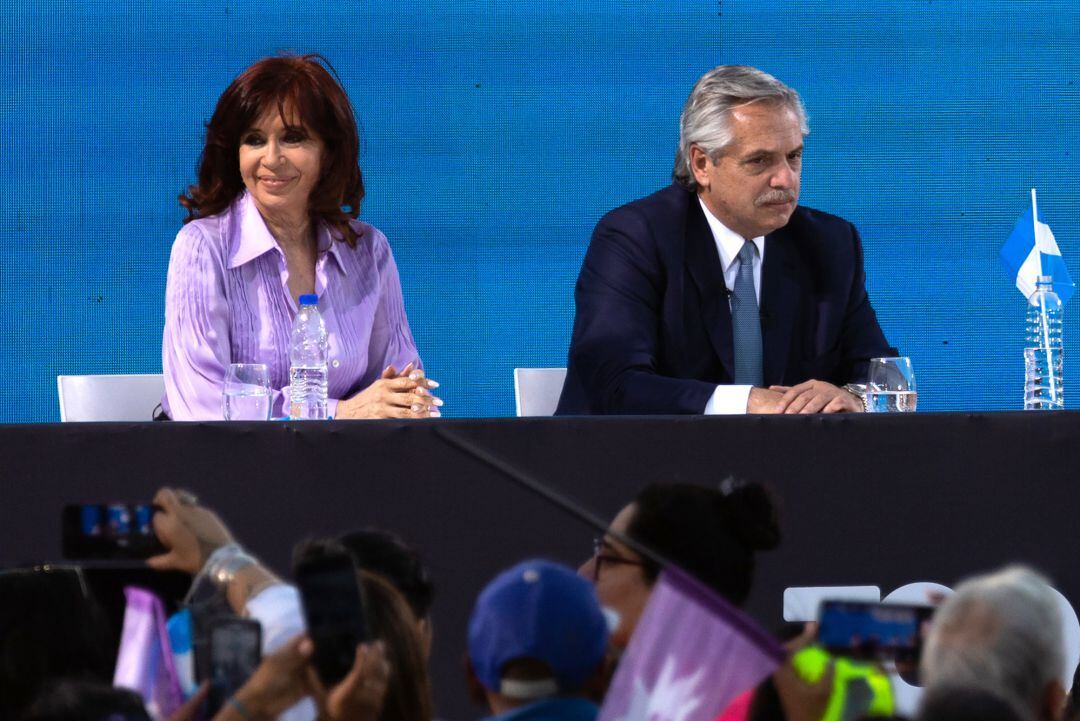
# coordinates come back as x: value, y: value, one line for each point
x: 273, y: 217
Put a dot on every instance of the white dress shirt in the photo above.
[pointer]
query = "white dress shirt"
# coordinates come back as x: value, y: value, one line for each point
x: 731, y: 399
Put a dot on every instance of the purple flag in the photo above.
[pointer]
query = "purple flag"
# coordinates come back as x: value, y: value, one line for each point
x: 145, y: 662
x: 690, y: 656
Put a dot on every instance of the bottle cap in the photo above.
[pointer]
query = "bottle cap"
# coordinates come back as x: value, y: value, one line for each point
x: 309, y: 299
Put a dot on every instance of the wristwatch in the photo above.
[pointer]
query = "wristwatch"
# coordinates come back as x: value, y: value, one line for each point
x: 859, y: 391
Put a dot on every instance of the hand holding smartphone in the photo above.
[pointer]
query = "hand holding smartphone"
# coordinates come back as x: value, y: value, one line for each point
x: 235, y: 653
x: 334, y: 610
x: 108, y: 532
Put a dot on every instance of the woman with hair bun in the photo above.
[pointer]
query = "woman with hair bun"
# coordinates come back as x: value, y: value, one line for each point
x: 712, y: 533
x: 272, y: 217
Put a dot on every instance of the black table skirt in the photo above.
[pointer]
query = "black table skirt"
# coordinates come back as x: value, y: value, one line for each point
x: 882, y: 500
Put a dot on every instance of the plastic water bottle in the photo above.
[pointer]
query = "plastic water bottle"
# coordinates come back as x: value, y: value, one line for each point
x: 1043, y: 388
x: 307, y: 362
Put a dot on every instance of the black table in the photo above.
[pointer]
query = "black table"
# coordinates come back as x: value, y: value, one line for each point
x: 880, y: 500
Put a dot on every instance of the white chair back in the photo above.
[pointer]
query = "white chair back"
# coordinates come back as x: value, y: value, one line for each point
x: 537, y: 390
x: 109, y: 397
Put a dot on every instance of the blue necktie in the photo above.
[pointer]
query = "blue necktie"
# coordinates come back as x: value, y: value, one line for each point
x: 746, y: 321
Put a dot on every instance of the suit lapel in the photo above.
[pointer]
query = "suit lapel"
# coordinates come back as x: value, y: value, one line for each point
x: 703, y: 262
x: 779, y: 303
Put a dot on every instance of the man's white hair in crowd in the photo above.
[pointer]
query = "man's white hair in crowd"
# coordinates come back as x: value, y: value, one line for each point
x: 1001, y: 633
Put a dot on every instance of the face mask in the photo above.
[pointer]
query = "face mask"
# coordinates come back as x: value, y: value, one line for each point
x: 611, y: 617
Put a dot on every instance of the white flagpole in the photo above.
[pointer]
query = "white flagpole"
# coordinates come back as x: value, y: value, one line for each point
x: 1042, y: 303
x: 1035, y: 228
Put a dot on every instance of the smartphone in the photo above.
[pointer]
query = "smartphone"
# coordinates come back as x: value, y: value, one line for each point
x: 235, y: 653
x: 108, y: 531
x: 869, y: 631
x: 334, y: 610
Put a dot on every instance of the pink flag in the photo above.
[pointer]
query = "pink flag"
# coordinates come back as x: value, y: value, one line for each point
x: 145, y: 662
x: 691, y: 655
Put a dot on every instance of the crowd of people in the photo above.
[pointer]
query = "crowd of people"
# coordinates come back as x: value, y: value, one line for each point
x: 543, y: 640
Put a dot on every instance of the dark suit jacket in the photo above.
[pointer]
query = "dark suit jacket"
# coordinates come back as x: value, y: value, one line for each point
x: 653, y: 326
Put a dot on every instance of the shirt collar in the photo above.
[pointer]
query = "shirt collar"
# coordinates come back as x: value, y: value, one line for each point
x: 330, y: 241
x: 728, y: 242
x: 254, y: 238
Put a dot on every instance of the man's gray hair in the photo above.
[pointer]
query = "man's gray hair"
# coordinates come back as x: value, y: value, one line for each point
x: 705, y: 119
x: 1001, y: 633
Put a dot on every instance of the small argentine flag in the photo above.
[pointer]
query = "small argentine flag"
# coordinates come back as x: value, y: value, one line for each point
x: 1031, y: 251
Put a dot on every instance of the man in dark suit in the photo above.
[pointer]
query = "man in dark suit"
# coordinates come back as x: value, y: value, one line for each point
x: 719, y: 294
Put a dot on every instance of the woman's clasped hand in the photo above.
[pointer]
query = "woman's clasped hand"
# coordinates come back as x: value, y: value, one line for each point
x: 395, y: 395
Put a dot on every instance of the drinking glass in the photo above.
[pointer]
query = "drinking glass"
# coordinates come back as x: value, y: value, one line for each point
x: 247, y: 392
x: 891, y: 386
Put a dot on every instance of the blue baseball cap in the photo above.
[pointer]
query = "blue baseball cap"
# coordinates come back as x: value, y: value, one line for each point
x: 537, y: 610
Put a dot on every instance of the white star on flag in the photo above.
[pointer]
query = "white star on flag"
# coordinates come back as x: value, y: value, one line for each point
x: 670, y: 699
x: 691, y: 654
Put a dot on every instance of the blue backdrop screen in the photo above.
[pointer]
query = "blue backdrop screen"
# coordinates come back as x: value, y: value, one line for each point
x: 495, y: 134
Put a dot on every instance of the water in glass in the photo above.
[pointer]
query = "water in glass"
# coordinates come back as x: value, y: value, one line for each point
x: 891, y: 401
x: 245, y: 405
x: 246, y: 396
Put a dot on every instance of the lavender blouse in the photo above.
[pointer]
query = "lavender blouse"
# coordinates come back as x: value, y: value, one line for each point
x: 227, y: 301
